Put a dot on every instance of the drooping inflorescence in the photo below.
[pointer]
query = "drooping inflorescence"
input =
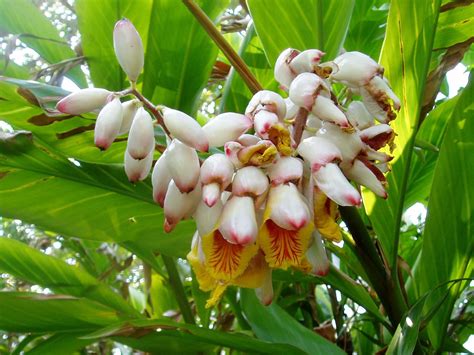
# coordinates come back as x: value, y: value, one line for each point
x: 270, y: 194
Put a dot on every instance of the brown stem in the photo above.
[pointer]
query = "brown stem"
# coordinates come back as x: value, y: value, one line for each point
x: 152, y: 108
x: 224, y: 46
x: 299, y: 125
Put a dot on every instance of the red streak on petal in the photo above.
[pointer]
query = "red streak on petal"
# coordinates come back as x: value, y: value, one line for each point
x: 285, y: 244
x: 225, y: 256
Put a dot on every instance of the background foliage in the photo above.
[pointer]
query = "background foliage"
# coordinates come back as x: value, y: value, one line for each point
x: 85, y: 265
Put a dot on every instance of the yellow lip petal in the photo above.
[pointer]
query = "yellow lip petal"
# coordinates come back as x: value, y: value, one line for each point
x: 226, y: 261
x: 255, y: 274
x: 280, y: 136
x: 325, y: 215
x: 206, y: 282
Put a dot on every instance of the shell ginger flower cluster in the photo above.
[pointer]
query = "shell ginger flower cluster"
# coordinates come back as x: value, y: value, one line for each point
x: 270, y: 192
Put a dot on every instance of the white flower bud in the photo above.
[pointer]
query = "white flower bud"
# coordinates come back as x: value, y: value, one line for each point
x: 263, y: 121
x: 318, y: 152
x: 355, y: 69
x: 183, y: 165
x: 348, y: 143
x: 327, y: 110
x: 138, y: 170
x: 358, y: 115
x: 129, y: 109
x: 108, y: 124
x: 211, y: 193
x: 266, y: 100
x: 83, y: 101
x: 160, y: 179
x: 306, y: 61
x: 333, y: 183
x: 238, y: 221
x: 217, y: 168
x: 284, y: 170
x: 304, y: 89
x: 141, y: 139
x: 226, y: 127
x: 288, y: 209
x: 128, y: 49
x: 179, y: 205
x: 283, y: 72
x: 250, y: 181
x: 186, y: 129
x: 362, y: 175
x: 317, y: 257
x: 207, y: 217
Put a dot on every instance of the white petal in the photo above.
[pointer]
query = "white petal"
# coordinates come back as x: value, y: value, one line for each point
x: 264, y: 293
x: 327, y: 110
x: 231, y: 150
x: 355, y: 69
x: 304, y: 89
x: 141, y: 139
x: 376, y: 136
x: 238, y: 222
x: 249, y: 181
x: 349, y: 144
x: 317, y: 257
x: 306, y: 61
x: 211, y: 193
x: 334, y: 184
x: 283, y: 73
x: 108, y: 124
x: 288, y: 209
x: 217, y: 168
x: 129, y: 110
x: 179, y: 205
x: 291, y: 109
x: 128, y: 48
x: 226, y: 127
x: 382, y: 84
x: 186, y: 129
x: 373, y: 107
x: 160, y: 179
x: 284, y: 170
x: 266, y: 100
x: 83, y: 101
x: 263, y: 121
x: 358, y: 115
x: 207, y: 217
x: 248, y: 139
x: 183, y: 165
x: 361, y: 174
x: 318, y: 152
x: 138, y: 170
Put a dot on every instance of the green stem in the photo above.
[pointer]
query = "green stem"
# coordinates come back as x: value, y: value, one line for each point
x: 224, y: 46
x: 178, y: 289
x: 387, y: 287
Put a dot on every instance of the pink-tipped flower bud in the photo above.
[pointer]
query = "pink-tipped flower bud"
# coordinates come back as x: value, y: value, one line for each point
x: 186, y: 129
x: 129, y: 109
x: 128, y: 49
x: 268, y: 101
x: 179, y: 205
x: 288, y: 208
x: 318, y: 152
x: 138, y: 170
x: 226, y: 127
x: 327, y: 110
x: 216, y: 175
x: 238, y: 221
x: 207, y: 217
x: 160, y: 179
x: 283, y: 72
x: 355, y: 69
x: 358, y: 115
x: 305, y: 88
x: 263, y: 121
x: 108, y: 124
x: 83, y: 101
x: 183, y: 165
x: 362, y: 175
x: 284, y: 170
x: 317, y: 257
x: 249, y: 181
x: 141, y: 139
x: 330, y: 180
x: 306, y: 61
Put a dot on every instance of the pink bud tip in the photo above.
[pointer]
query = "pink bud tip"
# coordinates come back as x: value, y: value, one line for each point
x: 297, y: 224
x: 322, y: 272
x: 209, y: 201
x: 102, y: 144
x: 160, y: 199
x: 61, y: 106
x: 354, y: 200
x: 168, y: 227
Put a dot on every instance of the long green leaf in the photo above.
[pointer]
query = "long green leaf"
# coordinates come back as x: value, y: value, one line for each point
x: 47, y: 271
x: 406, y: 58
x: 96, y: 20
x: 180, y: 54
x: 455, y: 26
x: 67, y: 343
x: 447, y: 240
x: 22, y: 17
x: 30, y: 312
x: 273, y: 324
x: 74, y: 198
x: 302, y: 25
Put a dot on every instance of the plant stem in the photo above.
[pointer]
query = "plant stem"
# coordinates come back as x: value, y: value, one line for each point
x: 224, y: 46
x: 381, y: 280
x: 178, y: 289
x: 152, y: 108
x: 299, y: 125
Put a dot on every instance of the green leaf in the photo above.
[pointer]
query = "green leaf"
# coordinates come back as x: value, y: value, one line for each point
x: 447, y: 244
x: 110, y: 208
x: 273, y: 324
x: 31, y: 265
x: 22, y: 17
x: 30, y: 312
x: 61, y: 344
x: 455, y: 26
x: 301, y: 25
x: 406, y: 58
x: 180, y: 54
x: 96, y: 21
